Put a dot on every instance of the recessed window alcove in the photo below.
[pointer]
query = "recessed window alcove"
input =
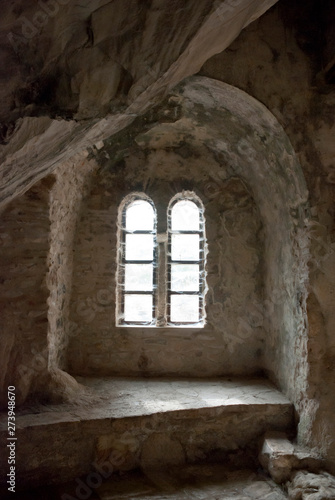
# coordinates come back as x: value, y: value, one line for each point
x: 237, y: 160
x: 228, y: 155
x: 222, y: 342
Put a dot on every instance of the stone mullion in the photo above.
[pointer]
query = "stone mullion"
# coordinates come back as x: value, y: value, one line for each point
x: 161, y: 280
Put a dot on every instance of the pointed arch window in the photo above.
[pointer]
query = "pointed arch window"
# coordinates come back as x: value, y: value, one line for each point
x: 161, y: 277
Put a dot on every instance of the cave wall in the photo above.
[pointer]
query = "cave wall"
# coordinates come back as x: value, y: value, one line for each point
x: 279, y: 60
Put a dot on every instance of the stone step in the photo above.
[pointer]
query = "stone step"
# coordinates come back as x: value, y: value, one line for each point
x: 281, y: 458
x: 130, y: 422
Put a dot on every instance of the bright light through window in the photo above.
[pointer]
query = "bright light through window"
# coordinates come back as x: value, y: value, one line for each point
x: 140, y: 216
x: 184, y: 309
x: 137, y: 264
x: 185, y: 246
x: 138, y: 308
x: 177, y: 297
x: 139, y: 246
x: 186, y: 263
x: 185, y: 216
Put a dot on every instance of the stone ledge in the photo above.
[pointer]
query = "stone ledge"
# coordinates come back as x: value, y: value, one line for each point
x: 126, y: 417
x: 121, y: 397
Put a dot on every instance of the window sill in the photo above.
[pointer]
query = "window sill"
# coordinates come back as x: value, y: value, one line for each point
x: 193, y: 326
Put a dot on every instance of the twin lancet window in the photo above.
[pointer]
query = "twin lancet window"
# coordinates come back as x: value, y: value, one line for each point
x: 161, y: 277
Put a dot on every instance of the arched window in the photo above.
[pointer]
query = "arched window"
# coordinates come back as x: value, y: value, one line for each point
x: 186, y: 260
x: 137, y: 261
x: 161, y: 278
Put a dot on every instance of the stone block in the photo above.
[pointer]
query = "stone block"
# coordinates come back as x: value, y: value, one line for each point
x: 280, y: 457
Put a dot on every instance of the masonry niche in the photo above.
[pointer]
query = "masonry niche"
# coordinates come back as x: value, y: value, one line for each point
x: 234, y: 251
x: 212, y: 140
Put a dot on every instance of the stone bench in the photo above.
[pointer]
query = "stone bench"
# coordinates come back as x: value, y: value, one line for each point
x: 126, y: 423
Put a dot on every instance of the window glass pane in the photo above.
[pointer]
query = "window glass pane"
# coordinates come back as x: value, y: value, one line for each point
x: 185, y: 247
x: 184, y: 308
x: 140, y: 216
x: 185, y: 216
x: 185, y: 277
x: 139, y: 246
x: 138, y: 277
x: 138, y: 307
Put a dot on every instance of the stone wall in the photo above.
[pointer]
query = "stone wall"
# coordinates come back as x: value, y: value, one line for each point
x: 234, y: 273
x: 72, y: 180
x: 219, y: 142
x: 277, y: 61
x: 261, y: 233
x: 37, y: 233
x: 24, y: 246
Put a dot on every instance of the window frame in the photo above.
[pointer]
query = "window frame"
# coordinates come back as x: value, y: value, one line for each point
x: 122, y: 261
x: 201, y: 261
x: 162, y: 259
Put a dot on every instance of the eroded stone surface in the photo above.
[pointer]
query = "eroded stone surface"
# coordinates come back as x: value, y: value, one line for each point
x: 201, y: 482
x: 95, y: 60
x: 308, y: 486
x: 71, y: 183
x: 24, y: 234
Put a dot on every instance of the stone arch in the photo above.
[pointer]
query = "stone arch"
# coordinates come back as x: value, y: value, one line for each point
x: 206, y: 124
x: 244, y: 136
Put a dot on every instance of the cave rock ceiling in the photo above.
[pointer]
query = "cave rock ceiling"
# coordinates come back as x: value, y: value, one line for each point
x: 75, y: 72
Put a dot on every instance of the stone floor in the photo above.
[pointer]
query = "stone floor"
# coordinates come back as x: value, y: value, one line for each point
x: 206, y: 482
x: 196, y: 482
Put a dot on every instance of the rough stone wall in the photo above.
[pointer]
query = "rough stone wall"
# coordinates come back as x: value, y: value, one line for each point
x: 277, y: 61
x: 24, y: 246
x: 234, y: 272
x: 207, y: 134
x: 220, y: 132
x: 72, y: 180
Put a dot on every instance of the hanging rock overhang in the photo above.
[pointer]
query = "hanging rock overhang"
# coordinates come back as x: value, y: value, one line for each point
x: 37, y: 145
